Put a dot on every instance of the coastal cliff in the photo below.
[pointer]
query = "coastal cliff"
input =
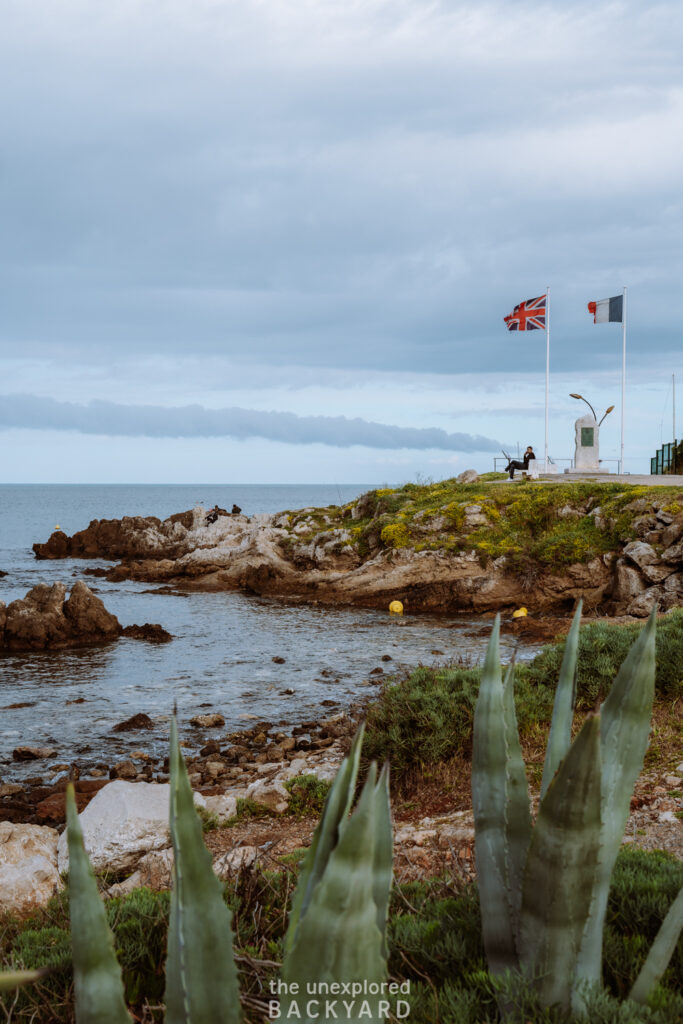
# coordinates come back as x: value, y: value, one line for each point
x: 446, y: 547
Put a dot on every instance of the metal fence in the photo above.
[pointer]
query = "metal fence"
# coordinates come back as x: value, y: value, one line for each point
x: 665, y: 459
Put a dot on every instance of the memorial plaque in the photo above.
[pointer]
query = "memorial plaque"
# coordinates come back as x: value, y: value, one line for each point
x: 587, y: 437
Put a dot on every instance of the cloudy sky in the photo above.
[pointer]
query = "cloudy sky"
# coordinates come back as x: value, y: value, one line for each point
x: 274, y: 240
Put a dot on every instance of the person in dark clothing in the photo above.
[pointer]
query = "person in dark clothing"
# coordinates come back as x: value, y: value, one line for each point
x: 235, y: 511
x: 212, y: 516
x: 514, y: 464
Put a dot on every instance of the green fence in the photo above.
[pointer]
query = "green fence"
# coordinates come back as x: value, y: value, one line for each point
x: 665, y: 460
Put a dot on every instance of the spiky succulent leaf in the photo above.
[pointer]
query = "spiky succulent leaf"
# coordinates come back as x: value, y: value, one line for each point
x: 660, y: 953
x: 201, y: 978
x: 331, y: 824
x: 15, y: 979
x: 489, y: 794
x: 560, y: 737
x: 517, y: 810
x: 624, y: 731
x: 97, y: 975
x: 561, y: 868
x: 384, y: 855
x: 338, y: 939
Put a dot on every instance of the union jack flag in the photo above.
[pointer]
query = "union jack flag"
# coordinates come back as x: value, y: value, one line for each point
x: 528, y: 316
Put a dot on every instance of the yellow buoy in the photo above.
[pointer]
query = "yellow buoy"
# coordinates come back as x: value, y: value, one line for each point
x: 519, y: 613
x: 396, y: 608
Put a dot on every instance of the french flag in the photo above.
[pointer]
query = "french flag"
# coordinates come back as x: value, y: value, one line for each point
x: 607, y: 311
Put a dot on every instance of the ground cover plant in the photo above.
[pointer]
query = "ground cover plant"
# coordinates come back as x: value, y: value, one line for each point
x: 434, y: 933
x: 535, y: 526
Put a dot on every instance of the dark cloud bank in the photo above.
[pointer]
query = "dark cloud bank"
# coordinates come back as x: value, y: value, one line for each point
x: 34, y: 412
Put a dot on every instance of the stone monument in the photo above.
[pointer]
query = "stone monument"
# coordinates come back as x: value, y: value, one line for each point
x: 587, y: 451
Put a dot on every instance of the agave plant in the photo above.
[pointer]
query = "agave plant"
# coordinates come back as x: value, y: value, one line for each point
x: 337, y: 927
x: 543, y: 888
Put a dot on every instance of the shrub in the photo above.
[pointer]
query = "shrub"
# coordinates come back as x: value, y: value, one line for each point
x: 308, y: 795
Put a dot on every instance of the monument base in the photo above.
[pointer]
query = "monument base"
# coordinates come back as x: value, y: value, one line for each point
x: 583, y: 470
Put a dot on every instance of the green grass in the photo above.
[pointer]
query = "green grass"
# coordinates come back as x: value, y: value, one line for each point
x: 435, y: 945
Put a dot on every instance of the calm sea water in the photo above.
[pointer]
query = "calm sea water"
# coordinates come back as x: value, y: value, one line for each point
x: 221, y: 657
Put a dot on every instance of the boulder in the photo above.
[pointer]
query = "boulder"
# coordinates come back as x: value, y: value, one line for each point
x: 32, y: 753
x: 640, y: 553
x: 45, y: 619
x: 139, y: 721
x: 124, y: 821
x: 214, y: 721
x: 223, y: 806
x: 468, y: 476
x: 642, y: 605
x: 29, y: 876
x: 226, y: 864
x: 154, y: 871
x: 628, y: 583
x: 150, y: 631
x: 673, y: 554
x: 270, y: 794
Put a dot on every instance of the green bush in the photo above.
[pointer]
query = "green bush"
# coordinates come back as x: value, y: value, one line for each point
x: 602, y: 649
x: 308, y: 795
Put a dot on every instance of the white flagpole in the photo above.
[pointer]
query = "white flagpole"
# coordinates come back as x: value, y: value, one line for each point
x: 547, y: 372
x: 623, y: 378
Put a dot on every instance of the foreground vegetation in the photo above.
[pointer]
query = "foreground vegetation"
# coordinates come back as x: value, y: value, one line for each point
x: 533, y: 525
x: 425, y: 718
x: 434, y: 933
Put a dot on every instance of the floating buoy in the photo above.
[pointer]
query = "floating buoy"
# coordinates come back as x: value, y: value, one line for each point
x: 519, y: 613
x: 396, y: 608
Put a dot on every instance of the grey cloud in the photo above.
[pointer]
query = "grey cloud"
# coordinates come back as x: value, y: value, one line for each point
x: 31, y: 411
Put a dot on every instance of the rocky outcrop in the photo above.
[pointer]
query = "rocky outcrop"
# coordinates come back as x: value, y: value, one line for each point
x: 28, y: 866
x: 314, y: 556
x: 47, y: 620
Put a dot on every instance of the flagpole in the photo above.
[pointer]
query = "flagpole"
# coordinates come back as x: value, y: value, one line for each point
x: 623, y: 378
x: 547, y: 372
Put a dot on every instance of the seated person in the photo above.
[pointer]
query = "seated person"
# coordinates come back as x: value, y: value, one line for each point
x: 514, y: 464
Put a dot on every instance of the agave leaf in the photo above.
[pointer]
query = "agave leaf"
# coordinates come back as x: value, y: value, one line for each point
x: 338, y: 940
x: 97, y: 975
x: 327, y: 831
x: 560, y: 870
x: 14, y: 979
x: 624, y: 731
x: 560, y: 737
x: 517, y: 810
x: 489, y: 793
x: 384, y: 853
x: 201, y: 978
x: 660, y: 953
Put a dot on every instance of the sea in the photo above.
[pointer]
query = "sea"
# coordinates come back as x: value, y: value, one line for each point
x: 221, y: 655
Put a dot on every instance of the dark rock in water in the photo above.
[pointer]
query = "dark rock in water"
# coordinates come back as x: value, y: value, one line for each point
x: 139, y: 721
x: 376, y: 672
x: 212, y: 747
x: 123, y: 770
x: 2, y: 573
x: 130, y: 537
x: 95, y: 572
x: 386, y: 657
x: 278, y: 659
x: 20, y: 704
x: 208, y: 721
x: 32, y: 753
x: 45, y: 619
x: 149, y: 631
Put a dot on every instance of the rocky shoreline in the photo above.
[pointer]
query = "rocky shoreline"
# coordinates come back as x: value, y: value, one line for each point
x: 434, y: 561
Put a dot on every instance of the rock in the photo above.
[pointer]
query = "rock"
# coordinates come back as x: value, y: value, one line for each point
x: 468, y: 476
x: 673, y: 532
x: 640, y: 553
x: 223, y: 806
x: 45, y: 619
x: 10, y: 789
x: 123, y: 770
x: 673, y: 780
x: 642, y: 605
x: 122, y: 822
x: 139, y: 721
x: 151, y: 631
x: 153, y: 872
x: 270, y: 794
x: 52, y: 810
x: 29, y: 876
x: 673, y: 555
x: 278, y: 659
x: 628, y: 583
x: 32, y: 753
x: 227, y: 863
x: 214, y: 721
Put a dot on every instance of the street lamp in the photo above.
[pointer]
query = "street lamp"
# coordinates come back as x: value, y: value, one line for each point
x: 609, y: 410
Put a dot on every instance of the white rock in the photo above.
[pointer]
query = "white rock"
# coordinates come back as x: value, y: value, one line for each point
x: 668, y: 816
x: 223, y: 806
x: 640, y: 553
x: 673, y: 781
x: 29, y: 876
x: 121, y: 823
x: 153, y: 872
x: 269, y: 793
x: 225, y: 864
